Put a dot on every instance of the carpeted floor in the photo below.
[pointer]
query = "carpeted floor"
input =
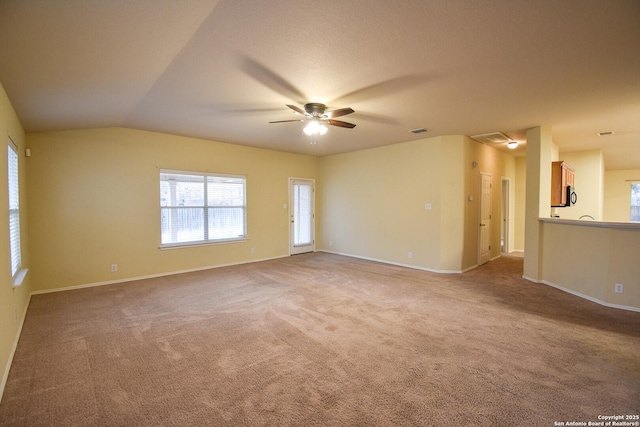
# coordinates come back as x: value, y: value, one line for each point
x: 323, y: 340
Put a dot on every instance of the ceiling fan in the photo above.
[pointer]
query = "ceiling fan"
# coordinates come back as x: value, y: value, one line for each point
x: 318, y: 115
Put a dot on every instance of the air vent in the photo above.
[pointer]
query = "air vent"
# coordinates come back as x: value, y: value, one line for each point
x: 418, y: 130
x: 605, y: 133
x: 492, y: 138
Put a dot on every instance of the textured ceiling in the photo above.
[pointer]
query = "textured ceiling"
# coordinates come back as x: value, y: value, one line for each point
x: 221, y: 70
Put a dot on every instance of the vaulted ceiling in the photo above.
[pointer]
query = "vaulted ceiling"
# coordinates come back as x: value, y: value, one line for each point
x: 222, y: 70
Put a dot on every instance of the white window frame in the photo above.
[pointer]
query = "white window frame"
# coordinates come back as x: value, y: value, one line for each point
x: 13, y: 182
x: 634, y: 207
x: 167, y: 206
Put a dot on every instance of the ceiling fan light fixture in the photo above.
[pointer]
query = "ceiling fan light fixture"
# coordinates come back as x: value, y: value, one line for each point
x: 311, y: 128
x: 512, y: 144
x: 314, y: 127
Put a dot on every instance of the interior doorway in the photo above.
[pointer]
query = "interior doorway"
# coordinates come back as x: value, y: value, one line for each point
x: 504, y: 217
x: 302, y: 216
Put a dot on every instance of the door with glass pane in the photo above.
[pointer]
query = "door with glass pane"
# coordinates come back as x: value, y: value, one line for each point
x: 302, y: 238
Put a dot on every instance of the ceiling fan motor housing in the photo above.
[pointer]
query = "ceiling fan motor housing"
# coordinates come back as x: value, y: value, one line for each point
x: 315, y: 109
x: 317, y: 112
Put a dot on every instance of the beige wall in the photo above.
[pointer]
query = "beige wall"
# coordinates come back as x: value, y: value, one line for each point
x: 453, y: 209
x: 617, y: 194
x: 373, y: 202
x: 94, y: 197
x: 588, y: 261
x: 520, y: 195
x: 589, y: 184
x: 541, y: 151
x: 13, y: 300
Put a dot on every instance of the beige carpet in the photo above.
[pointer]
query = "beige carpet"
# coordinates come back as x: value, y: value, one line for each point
x: 320, y: 339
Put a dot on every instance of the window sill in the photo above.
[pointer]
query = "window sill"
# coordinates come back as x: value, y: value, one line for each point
x: 19, y: 277
x: 196, y: 244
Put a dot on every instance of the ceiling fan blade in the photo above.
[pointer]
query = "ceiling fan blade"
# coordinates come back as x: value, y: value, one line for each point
x: 383, y: 88
x: 297, y: 109
x: 340, y: 112
x: 270, y: 79
x: 340, y: 123
x: 285, y: 121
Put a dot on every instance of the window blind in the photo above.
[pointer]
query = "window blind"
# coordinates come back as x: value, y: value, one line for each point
x: 14, y: 208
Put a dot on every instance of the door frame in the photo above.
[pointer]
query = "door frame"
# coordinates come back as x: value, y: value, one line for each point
x: 293, y: 249
x: 505, y: 212
x: 487, y: 225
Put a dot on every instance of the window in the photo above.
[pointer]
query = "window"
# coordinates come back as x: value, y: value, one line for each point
x: 201, y: 207
x: 635, y: 201
x: 14, y: 210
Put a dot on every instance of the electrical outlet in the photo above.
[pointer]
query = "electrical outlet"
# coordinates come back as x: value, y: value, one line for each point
x: 427, y: 206
x: 114, y: 268
x: 410, y: 255
x: 253, y: 250
x: 330, y: 242
x: 619, y: 288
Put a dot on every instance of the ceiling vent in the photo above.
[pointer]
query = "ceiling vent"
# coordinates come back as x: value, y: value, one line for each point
x: 492, y: 138
x: 418, y: 130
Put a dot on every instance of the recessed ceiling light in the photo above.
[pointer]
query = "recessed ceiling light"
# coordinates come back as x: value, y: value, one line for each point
x: 605, y: 133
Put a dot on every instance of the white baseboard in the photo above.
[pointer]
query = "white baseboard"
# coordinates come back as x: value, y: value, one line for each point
x: 470, y: 268
x: 590, y: 298
x: 12, y: 353
x: 431, y: 270
x: 531, y: 279
x: 150, y: 276
x: 581, y: 295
